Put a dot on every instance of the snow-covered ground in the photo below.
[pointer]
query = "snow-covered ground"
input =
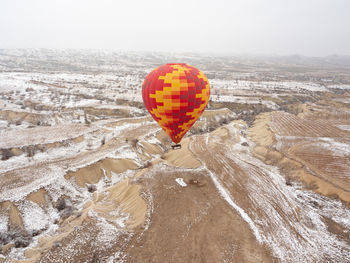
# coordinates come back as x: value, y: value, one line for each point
x: 65, y: 111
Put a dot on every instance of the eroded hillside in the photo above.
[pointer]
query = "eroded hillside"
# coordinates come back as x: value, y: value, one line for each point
x: 87, y: 176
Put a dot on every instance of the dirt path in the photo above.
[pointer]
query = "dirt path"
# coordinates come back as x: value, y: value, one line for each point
x: 192, y: 223
x: 230, y: 207
x: 280, y: 216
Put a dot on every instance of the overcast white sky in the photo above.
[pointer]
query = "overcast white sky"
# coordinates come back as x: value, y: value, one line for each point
x: 283, y: 27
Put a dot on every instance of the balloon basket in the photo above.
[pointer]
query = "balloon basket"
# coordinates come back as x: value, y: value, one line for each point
x: 176, y: 146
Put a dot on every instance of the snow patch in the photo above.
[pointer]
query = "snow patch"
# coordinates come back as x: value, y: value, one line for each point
x: 337, y: 148
x: 344, y: 127
x: 229, y: 199
x: 3, y: 223
x: 34, y: 217
x: 181, y: 182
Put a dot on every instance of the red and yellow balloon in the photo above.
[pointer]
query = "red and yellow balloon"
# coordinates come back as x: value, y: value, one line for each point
x: 176, y: 95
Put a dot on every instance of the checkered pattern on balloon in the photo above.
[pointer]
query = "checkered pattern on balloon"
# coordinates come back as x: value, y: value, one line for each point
x: 176, y: 95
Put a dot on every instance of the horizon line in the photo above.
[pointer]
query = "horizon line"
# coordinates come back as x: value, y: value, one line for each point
x: 216, y: 53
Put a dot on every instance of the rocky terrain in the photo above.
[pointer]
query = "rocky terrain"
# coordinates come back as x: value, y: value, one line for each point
x: 86, y: 175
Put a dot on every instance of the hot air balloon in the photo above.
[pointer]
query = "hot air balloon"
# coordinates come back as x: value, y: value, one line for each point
x: 176, y: 95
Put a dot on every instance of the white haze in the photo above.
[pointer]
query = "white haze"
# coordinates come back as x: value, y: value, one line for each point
x: 283, y: 27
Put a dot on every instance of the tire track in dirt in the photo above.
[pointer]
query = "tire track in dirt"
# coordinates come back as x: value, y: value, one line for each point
x: 192, y: 223
x: 293, y: 229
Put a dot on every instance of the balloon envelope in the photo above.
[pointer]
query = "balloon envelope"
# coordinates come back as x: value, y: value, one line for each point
x: 176, y: 95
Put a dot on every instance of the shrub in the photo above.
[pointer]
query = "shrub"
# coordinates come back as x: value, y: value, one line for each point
x: 91, y: 188
x: 223, y: 121
x: 17, y: 235
x: 6, y: 154
x: 134, y: 142
x: 61, y: 204
x: 65, y: 209
x: 67, y: 212
x: 4, y: 239
x: 35, y: 233
x: 288, y: 181
x: 21, y: 242
x: 56, y: 244
x: 31, y: 151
